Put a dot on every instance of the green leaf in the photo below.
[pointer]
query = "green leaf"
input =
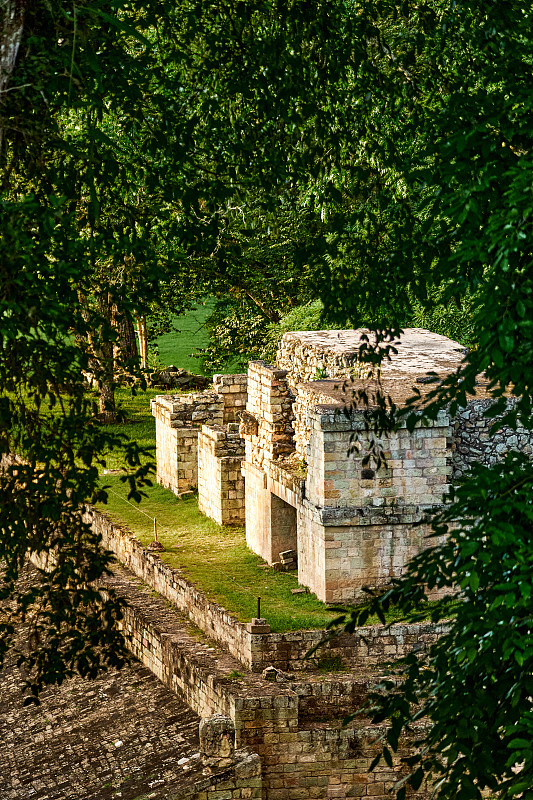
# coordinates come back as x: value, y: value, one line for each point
x: 474, y: 581
x: 416, y: 779
x: 520, y: 743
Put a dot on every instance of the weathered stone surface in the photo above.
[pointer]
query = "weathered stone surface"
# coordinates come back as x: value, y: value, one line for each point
x: 307, y: 484
x: 119, y: 736
x: 217, y: 738
x: 472, y: 441
x: 174, y: 378
x: 220, y: 480
x: 311, y: 355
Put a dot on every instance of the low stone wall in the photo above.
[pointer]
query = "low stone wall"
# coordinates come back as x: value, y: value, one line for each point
x: 177, y: 419
x: 471, y: 440
x: 270, y: 719
x: 292, y: 729
x: 220, y: 480
x: 232, y: 784
x: 367, y: 647
x: 171, y: 584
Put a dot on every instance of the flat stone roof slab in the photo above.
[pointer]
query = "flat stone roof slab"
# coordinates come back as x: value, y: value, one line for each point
x: 419, y: 351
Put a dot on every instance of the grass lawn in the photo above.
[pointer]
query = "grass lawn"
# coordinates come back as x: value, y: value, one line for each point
x: 216, y: 558
x: 139, y: 423
x: 179, y: 346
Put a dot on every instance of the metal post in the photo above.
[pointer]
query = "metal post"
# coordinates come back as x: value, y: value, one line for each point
x: 258, y: 608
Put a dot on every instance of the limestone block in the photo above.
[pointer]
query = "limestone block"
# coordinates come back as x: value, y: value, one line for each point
x: 217, y: 741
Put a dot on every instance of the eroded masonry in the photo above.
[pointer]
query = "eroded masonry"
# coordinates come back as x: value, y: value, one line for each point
x: 294, y: 472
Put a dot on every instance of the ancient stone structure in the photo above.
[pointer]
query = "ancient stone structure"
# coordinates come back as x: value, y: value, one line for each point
x: 121, y: 735
x: 288, y: 742
x: 305, y: 436
x: 178, y: 421
x: 270, y: 721
x: 220, y: 480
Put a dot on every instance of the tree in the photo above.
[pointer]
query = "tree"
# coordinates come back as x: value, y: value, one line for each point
x: 450, y: 87
x: 62, y: 67
x: 129, y: 132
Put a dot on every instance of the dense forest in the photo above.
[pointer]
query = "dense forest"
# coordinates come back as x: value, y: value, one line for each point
x: 332, y: 163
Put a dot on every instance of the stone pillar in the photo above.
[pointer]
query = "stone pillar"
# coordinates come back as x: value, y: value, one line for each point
x: 270, y: 403
x: 359, y: 526
x: 217, y: 742
x: 233, y: 391
x: 178, y: 418
x: 220, y: 480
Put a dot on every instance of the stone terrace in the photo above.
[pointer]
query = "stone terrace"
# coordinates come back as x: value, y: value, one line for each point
x: 120, y: 736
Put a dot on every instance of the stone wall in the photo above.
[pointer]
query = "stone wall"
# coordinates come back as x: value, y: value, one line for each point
x: 292, y: 726
x: 270, y: 405
x: 307, y: 398
x: 358, y: 526
x: 367, y: 647
x: 233, y: 391
x: 417, y: 470
x: 239, y: 782
x: 177, y: 419
x: 272, y: 496
x: 309, y: 357
x: 173, y: 586
x: 220, y: 480
x: 269, y: 437
x: 471, y: 439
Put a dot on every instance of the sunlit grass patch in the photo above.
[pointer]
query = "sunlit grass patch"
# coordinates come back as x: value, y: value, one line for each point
x: 216, y: 558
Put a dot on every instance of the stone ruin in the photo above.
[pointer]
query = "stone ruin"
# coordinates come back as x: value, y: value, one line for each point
x: 281, y: 450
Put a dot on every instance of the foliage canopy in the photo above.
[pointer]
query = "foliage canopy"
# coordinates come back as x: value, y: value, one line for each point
x: 380, y: 151
x: 449, y: 115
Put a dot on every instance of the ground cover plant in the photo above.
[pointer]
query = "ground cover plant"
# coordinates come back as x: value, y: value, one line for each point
x: 136, y: 422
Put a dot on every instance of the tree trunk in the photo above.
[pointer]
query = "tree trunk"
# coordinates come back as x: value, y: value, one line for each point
x: 106, y: 401
x: 126, y: 349
x: 142, y: 333
x: 105, y: 357
x: 10, y: 38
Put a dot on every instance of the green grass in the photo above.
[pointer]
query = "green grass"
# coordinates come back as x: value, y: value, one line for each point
x: 138, y: 425
x: 180, y: 347
x: 216, y: 558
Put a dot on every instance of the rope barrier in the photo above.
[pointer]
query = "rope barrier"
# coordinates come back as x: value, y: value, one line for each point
x: 130, y: 504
